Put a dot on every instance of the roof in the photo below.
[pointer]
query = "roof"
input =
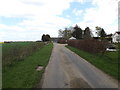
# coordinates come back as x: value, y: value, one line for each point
x: 118, y: 32
x: 109, y: 35
x: 72, y: 38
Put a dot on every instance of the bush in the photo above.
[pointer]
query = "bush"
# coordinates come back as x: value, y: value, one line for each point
x: 92, y: 46
x: 7, y: 42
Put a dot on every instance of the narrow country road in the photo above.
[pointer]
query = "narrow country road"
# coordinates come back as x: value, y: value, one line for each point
x: 68, y: 70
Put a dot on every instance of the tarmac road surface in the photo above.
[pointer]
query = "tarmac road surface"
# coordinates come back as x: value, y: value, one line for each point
x: 68, y: 70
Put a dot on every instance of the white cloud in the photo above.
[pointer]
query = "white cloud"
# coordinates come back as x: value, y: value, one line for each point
x: 52, y: 21
x: 104, y: 15
x: 17, y: 33
x: 82, y: 1
x: 12, y: 8
x: 4, y: 27
x: 42, y: 17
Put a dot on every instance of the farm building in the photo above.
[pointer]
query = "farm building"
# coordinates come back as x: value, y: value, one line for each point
x: 116, y: 37
x: 72, y: 38
x: 55, y: 39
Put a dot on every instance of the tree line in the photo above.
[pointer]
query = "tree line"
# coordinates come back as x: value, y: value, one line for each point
x: 78, y: 33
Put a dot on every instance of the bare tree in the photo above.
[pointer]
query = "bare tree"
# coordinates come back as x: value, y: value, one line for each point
x: 65, y: 34
x: 98, y: 29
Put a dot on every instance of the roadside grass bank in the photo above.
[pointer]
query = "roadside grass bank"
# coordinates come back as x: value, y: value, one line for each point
x: 23, y: 74
x: 17, y: 51
x: 108, y: 62
x: 0, y: 66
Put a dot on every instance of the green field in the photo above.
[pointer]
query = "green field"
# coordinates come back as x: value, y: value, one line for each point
x: 108, y: 62
x: 17, y: 51
x: 22, y: 73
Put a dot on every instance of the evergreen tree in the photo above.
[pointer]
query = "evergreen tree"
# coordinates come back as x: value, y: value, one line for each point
x: 87, y: 33
x: 102, y: 33
x: 45, y: 37
x: 77, y: 33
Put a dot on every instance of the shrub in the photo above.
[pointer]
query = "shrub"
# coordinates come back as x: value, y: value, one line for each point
x: 93, y: 46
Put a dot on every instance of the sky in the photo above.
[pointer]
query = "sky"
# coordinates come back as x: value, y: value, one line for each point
x: 28, y: 20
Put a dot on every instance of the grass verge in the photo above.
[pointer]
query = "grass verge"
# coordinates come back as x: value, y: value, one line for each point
x: 0, y: 66
x: 17, y: 51
x: 23, y: 74
x: 108, y: 62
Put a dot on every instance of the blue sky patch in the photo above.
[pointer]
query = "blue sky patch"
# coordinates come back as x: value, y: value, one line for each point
x: 78, y: 6
x: 11, y: 20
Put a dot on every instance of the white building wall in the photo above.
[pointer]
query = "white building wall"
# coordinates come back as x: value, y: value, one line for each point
x: 115, y: 37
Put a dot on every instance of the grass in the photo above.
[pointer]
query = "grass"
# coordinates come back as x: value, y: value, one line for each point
x: 117, y: 45
x: 1, y: 42
x: 23, y: 74
x: 0, y: 66
x: 108, y: 62
x: 17, y: 51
